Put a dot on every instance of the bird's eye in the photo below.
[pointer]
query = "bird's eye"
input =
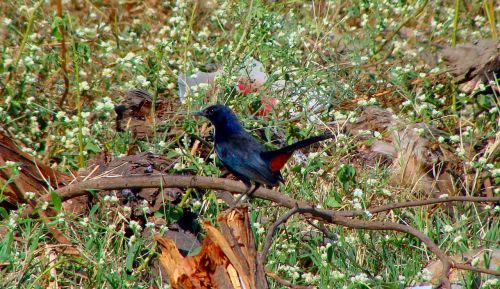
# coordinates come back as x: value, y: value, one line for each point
x: 210, y: 111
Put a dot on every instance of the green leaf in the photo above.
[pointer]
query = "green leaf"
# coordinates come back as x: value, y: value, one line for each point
x: 3, y: 213
x: 347, y: 176
x: 90, y: 147
x: 194, y: 252
x: 58, y: 21
x: 56, y: 201
x: 332, y: 203
x: 93, y: 209
x: 131, y: 257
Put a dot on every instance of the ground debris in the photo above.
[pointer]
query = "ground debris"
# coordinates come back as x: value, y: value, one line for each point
x: 138, y: 164
x: 133, y: 113
x: 475, y: 256
x: 228, y: 257
x: 416, y: 158
x: 474, y: 63
x: 34, y: 175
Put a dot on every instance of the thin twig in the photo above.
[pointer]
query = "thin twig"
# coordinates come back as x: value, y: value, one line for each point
x: 286, y: 282
x: 62, y: 54
x: 412, y: 17
x: 419, y: 203
x: 271, y: 231
x: 20, y: 51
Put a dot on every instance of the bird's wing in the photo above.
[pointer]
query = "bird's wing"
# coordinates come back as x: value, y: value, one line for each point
x: 241, y: 154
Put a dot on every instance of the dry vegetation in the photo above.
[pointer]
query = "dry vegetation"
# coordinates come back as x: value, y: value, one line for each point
x: 410, y: 90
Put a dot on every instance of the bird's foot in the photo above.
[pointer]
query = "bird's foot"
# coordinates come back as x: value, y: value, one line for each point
x: 243, y: 197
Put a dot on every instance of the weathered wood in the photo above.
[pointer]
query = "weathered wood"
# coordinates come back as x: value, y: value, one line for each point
x: 227, y: 259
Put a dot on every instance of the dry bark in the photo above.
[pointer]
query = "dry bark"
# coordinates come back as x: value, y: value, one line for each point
x: 228, y: 257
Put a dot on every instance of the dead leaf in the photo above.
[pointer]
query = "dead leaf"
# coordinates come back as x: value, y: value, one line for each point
x: 473, y: 63
x: 416, y: 160
x: 456, y: 276
x: 34, y: 176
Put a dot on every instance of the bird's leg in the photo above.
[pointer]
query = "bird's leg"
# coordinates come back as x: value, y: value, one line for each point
x: 248, y: 192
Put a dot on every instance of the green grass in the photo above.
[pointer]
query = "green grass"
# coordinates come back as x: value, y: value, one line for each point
x: 112, y: 49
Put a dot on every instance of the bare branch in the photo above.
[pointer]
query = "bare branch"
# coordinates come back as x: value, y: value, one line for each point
x: 330, y: 216
x: 286, y: 282
x: 419, y: 203
x: 272, y: 230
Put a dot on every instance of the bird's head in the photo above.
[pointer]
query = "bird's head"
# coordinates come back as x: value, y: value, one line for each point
x: 219, y: 115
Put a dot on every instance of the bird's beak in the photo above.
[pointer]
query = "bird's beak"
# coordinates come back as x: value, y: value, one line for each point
x: 198, y: 113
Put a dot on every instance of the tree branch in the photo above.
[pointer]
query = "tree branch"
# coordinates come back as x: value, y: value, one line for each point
x: 286, y: 283
x: 271, y: 231
x: 418, y: 203
x: 296, y: 206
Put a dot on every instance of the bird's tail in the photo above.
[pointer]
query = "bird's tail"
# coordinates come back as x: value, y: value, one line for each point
x: 279, y: 157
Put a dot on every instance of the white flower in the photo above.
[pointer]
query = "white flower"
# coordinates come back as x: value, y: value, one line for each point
x: 426, y: 275
x: 420, y: 131
x: 454, y: 138
x: 30, y: 195
x: 197, y: 204
x: 84, y: 222
x: 448, y: 228
x: 60, y: 217
x: 406, y: 103
x: 491, y: 283
x: 13, y: 220
x: 358, y: 193
x: 135, y: 226
x: 106, y: 72
x: 363, y: 102
x: 44, y: 206
x: 143, y: 81
x: 386, y: 192
x: 441, y: 139
x: 458, y: 239
x: 443, y: 196
x: 309, y: 277
x: 337, y: 275
x: 361, y: 278
x: 28, y: 61
x: 84, y: 85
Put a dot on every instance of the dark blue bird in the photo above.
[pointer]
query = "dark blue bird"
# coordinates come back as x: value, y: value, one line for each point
x: 243, y: 155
